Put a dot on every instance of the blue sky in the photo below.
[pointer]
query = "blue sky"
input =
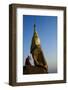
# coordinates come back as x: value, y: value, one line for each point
x: 46, y: 27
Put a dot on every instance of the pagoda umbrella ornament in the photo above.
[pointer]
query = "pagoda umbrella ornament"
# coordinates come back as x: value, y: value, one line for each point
x: 36, y: 51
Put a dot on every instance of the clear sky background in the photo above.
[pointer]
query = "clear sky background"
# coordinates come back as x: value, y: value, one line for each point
x: 46, y: 27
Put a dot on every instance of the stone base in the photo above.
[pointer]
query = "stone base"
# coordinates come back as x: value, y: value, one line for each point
x: 33, y: 70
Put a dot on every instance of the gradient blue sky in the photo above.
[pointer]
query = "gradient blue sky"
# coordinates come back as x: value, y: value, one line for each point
x: 46, y: 27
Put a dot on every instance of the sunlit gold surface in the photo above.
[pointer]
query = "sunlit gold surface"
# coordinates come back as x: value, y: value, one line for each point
x: 36, y: 51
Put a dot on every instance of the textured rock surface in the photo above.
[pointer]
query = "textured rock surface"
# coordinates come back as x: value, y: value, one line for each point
x: 33, y: 70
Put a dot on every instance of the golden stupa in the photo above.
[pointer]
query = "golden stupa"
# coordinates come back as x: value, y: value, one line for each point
x: 36, y: 51
x: 40, y: 64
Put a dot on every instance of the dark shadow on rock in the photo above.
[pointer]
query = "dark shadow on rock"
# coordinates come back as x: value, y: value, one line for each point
x: 33, y: 70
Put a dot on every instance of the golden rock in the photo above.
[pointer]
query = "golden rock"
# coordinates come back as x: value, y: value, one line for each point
x: 36, y: 51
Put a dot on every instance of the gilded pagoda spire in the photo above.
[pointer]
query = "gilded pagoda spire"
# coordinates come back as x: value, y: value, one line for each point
x: 36, y: 51
x: 35, y: 39
x: 34, y: 27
